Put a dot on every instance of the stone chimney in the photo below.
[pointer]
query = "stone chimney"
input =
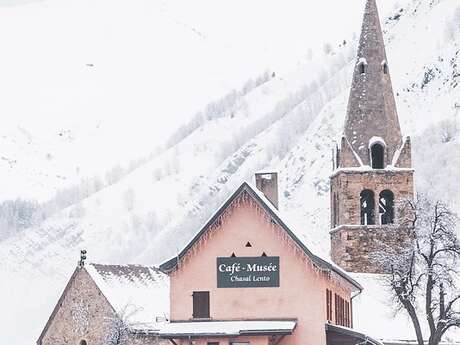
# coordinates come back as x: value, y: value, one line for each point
x: 267, y: 183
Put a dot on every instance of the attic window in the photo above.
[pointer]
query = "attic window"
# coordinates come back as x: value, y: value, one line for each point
x: 263, y: 254
x: 248, y: 245
x: 233, y: 255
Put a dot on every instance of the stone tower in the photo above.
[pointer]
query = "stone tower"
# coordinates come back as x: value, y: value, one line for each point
x: 372, y: 166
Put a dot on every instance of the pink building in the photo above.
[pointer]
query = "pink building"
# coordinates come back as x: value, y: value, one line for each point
x: 247, y: 279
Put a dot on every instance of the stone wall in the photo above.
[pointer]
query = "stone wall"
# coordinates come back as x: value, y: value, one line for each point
x: 357, y: 248
x: 348, y: 186
x: 353, y: 244
x: 83, y: 313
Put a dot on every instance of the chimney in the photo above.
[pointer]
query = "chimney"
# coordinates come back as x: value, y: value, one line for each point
x: 267, y: 183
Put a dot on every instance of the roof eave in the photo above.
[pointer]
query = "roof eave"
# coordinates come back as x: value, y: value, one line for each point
x: 171, y: 264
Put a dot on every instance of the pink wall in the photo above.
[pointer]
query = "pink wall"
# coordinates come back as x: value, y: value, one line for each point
x: 301, y: 294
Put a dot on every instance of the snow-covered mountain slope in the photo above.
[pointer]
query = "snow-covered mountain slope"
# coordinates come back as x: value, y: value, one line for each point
x: 288, y: 123
x: 79, y: 98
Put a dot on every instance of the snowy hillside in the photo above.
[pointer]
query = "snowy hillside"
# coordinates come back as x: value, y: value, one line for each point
x: 288, y: 123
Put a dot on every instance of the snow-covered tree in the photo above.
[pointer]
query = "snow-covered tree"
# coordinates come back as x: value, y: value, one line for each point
x: 129, y: 199
x: 118, y: 327
x: 424, y: 277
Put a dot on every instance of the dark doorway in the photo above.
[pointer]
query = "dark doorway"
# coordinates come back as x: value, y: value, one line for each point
x: 367, y: 207
x: 386, y: 207
x: 201, y: 305
x: 377, y: 156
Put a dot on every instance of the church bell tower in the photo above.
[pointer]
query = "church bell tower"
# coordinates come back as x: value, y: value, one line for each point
x: 372, y: 164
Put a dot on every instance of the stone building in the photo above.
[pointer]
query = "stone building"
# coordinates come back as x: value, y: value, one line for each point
x: 372, y: 167
x: 110, y: 305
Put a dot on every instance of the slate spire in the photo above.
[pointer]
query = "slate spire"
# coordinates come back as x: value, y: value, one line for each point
x: 371, y: 112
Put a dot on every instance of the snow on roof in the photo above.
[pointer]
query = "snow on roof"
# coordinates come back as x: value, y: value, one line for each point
x: 367, y: 168
x: 227, y: 328
x: 374, y: 313
x: 139, y: 294
x: 268, y: 172
x: 376, y: 140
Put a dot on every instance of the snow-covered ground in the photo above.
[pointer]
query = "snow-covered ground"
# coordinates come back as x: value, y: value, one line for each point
x: 288, y: 123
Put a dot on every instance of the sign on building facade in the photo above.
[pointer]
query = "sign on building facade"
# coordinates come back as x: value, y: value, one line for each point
x: 248, y: 272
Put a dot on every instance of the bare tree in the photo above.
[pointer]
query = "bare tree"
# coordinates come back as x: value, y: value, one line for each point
x: 424, y: 276
x: 119, y: 327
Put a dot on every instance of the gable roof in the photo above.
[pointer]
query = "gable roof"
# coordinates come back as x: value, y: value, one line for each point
x: 263, y: 202
x: 138, y: 294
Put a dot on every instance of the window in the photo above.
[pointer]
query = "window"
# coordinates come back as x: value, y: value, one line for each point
x: 362, y: 67
x: 83, y: 342
x: 386, y: 207
x: 377, y: 156
x: 385, y: 67
x: 367, y: 207
x: 248, y: 245
x: 201, y: 304
x: 213, y: 343
x: 239, y: 343
x: 329, y: 305
x: 342, y: 312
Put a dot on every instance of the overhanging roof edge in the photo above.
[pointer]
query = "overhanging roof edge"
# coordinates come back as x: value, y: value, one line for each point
x: 169, y: 265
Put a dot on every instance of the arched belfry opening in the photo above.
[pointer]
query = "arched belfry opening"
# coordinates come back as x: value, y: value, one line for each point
x: 378, y: 156
x: 386, y: 207
x: 367, y: 207
x: 83, y: 342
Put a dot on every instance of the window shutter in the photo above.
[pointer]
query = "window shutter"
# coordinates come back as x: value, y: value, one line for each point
x: 201, y: 305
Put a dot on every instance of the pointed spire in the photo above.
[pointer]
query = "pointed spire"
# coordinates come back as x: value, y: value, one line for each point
x: 371, y: 109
